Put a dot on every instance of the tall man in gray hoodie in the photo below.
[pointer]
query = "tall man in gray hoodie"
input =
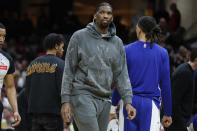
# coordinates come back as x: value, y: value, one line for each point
x: 94, y: 60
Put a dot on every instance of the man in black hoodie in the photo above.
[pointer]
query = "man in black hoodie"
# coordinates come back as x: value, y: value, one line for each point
x: 94, y: 60
x: 183, y: 93
x: 43, y: 86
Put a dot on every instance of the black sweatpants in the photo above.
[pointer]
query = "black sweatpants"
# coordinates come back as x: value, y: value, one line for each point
x: 1, y: 111
x: 46, y: 122
x: 177, y: 125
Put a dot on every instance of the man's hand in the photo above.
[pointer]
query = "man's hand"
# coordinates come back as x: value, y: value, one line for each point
x: 131, y: 112
x: 17, y: 119
x: 166, y: 121
x: 66, y: 112
x: 112, y: 116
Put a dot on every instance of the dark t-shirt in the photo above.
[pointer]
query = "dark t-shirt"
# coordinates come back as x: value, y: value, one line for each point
x: 43, y: 84
x: 183, y: 92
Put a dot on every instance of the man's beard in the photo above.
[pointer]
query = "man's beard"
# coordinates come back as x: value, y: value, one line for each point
x: 104, y: 26
x: 1, y: 45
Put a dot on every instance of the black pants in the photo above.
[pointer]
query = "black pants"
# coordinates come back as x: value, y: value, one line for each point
x: 177, y: 125
x: 46, y: 122
x: 75, y: 126
x: 1, y: 111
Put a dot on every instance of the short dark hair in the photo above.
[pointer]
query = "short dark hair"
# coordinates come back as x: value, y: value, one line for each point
x: 2, y: 26
x: 149, y: 26
x: 51, y: 40
x: 102, y: 4
x: 193, y: 54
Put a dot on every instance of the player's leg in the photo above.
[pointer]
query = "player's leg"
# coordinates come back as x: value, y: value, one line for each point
x: 145, y: 113
x: 132, y: 125
x: 84, y: 112
x: 155, y: 118
x: 103, y: 118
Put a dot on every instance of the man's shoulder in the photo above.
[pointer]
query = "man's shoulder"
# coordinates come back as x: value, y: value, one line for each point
x: 161, y: 50
x: 159, y: 47
x: 38, y: 60
x: 50, y: 58
x: 47, y: 61
x: 117, y: 38
x: 6, y: 55
x: 60, y: 61
x: 131, y: 45
x: 182, y: 70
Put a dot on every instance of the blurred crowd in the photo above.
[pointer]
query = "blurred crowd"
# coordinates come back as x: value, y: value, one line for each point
x: 24, y: 41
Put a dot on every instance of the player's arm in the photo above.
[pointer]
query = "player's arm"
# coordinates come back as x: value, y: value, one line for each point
x: 166, y: 90
x: 11, y: 94
x: 122, y: 82
x: 71, y: 61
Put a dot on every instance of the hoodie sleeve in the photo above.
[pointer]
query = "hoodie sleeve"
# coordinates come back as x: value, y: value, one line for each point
x: 165, y: 85
x: 71, y: 60
x: 121, y: 77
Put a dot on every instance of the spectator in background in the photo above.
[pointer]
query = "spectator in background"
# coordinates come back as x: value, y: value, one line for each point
x: 175, y: 18
x: 182, y: 56
x: 43, y: 86
x: 26, y: 25
x: 183, y: 93
x: 7, y: 69
x: 171, y: 54
x: 121, y: 30
x: 161, y: 13
x: 165, y: 32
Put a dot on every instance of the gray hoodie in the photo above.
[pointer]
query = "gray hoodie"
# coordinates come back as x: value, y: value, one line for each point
x: 93, y: 63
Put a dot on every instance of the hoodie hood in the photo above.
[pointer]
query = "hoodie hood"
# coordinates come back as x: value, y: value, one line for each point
x: 91, y: 27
